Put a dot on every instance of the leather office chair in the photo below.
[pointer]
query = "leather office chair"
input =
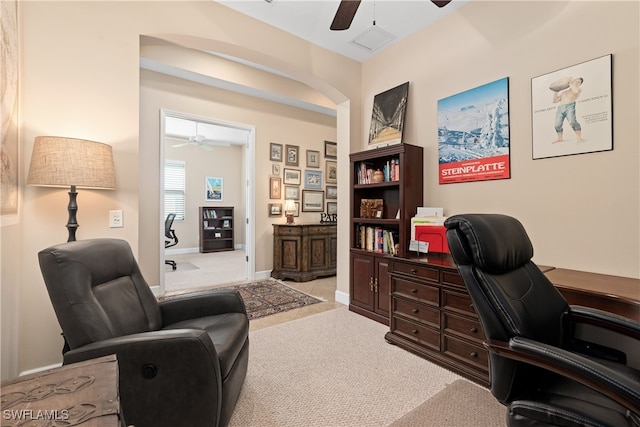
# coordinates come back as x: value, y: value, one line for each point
x: 169, y: 233
x: 538, y: 368
x: 182, y: 362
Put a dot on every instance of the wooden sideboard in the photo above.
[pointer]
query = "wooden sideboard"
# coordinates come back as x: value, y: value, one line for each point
x: 304, y: 252
x: 83, y: 394
x: 431, y: 313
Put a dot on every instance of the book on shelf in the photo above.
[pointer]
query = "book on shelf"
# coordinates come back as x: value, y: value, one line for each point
x: 365, y: 170
x: 376, y: 239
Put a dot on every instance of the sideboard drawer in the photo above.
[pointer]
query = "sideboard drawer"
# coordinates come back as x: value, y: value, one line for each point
x: 416, y: 311
x: 421, y: 334
x: 474, y: 355
x: 457, y: 302
x: 427, y: 294
x: 420, y: 272
x: 462, y: 326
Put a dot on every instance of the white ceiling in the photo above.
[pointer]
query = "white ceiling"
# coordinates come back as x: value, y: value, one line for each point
x: 310, y: 20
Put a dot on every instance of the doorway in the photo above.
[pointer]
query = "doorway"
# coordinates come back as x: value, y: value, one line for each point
x: 208, y: 150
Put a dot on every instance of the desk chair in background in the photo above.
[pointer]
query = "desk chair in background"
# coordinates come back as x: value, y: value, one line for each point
x: 169, y: 233
x: 540, y: 367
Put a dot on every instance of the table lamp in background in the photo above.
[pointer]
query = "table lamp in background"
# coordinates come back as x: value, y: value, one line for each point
x: 289, y: 210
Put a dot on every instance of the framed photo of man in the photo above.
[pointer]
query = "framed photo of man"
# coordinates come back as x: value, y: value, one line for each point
x: 571, y: 110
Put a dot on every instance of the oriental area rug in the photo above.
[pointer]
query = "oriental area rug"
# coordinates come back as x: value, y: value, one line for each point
x: 266, y: 297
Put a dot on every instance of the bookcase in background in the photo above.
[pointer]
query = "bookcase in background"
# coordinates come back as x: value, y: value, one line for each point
x: 393, y: 174
x: 216, y: 229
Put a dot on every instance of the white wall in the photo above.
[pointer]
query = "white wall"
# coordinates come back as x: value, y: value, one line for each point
x: 582, y: 211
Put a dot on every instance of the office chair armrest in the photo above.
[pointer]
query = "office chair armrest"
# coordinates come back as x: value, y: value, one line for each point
x: 161, y: 373
x: 604, y: 319
x: 615, y: 384
x: 201, y: 304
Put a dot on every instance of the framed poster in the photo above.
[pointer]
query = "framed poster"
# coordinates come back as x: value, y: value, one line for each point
x: 572, y: 110
x: 387, y: 117
x: 313, y: 159
x: 473, y: 134
x: 275, y: 187
x: 312, y: 201
x: 275, y: 209
x: 330, y: 150
x: 213, y: 189
x: 292, y: 176
x: 291, y: 152
x: 312, y: 179
x: 332, y: 172
x: 291, y: 192
x: 275, y: 152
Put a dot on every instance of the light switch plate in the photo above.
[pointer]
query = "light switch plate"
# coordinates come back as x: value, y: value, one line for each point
x: 116, y: 219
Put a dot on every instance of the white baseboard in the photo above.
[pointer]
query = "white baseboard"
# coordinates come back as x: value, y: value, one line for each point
x: 183, y: 251
x: 342, y: 297
x: 261, y: 275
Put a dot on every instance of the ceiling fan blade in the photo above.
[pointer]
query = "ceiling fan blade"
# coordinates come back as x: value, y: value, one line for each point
x: 344, y: 15
x: 441, y: 3
x: 181, y: 145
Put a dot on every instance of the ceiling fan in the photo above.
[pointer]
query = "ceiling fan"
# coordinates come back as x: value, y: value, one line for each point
x: 347, y: 10
x: 200, y: 141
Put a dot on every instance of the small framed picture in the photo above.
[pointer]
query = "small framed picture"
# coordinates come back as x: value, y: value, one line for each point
x: 275, y: 190
x: 332, y: 192
x: 275, y: 209
x: 275, y: 169
x: 332, y: 172
x: 313, y: 179
x: 312, y: 201
x: 291, y: 192
x: 292, y: 176
x: 226, y: 224
x: 313, y: 159
x: 213, y: 189
x: 332, y: 208
x: 330, y: 150
x: 292, y: 155
x: 275, y: 152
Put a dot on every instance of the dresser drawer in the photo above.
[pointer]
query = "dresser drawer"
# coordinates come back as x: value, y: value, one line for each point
x: 417, y: 271
x: 283, y: 230
x: 465, y: 327
x: 452, y: 278
x: 457, y: 302
x: 420, y: 334
x: 471, y: 354
x: 424, y: 293
x: 416, y: 311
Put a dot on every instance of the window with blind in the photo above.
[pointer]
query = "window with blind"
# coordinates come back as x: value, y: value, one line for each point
x: 174, y: 188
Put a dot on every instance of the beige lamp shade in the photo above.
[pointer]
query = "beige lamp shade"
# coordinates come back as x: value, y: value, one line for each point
x: 63, y: 162
x: 289, y: 206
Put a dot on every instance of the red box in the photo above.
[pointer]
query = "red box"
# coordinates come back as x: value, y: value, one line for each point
x: 436, y: 235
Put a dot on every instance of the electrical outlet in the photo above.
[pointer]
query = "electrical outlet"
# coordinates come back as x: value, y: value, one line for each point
x: 116, y: 219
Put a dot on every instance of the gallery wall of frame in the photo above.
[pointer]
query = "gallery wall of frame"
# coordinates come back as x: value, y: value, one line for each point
x: 308, y: 178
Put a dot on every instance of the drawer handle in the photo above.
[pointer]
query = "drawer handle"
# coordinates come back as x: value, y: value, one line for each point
x: 473, y: 354
x: 414, y: 291
x: 471, y: 306
x: 473, y: 330
x: 415, y: 311
x: 414, y: 271
x: 414, y: 331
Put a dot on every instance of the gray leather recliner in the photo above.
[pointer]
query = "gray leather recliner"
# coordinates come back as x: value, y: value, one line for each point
x: 182, y: 361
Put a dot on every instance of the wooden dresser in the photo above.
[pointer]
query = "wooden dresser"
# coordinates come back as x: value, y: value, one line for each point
x: 432, y: 315
x: 83, y: 394
x: 304, y: 252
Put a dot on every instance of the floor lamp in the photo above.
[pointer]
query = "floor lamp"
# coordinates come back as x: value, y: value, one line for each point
x: 69, y: 162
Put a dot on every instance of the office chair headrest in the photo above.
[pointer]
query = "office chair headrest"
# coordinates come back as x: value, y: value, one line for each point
x: 494, y: 243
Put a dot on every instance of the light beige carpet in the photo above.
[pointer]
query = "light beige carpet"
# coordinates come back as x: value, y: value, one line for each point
x: 333, y: 369
x: 446, y: 409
